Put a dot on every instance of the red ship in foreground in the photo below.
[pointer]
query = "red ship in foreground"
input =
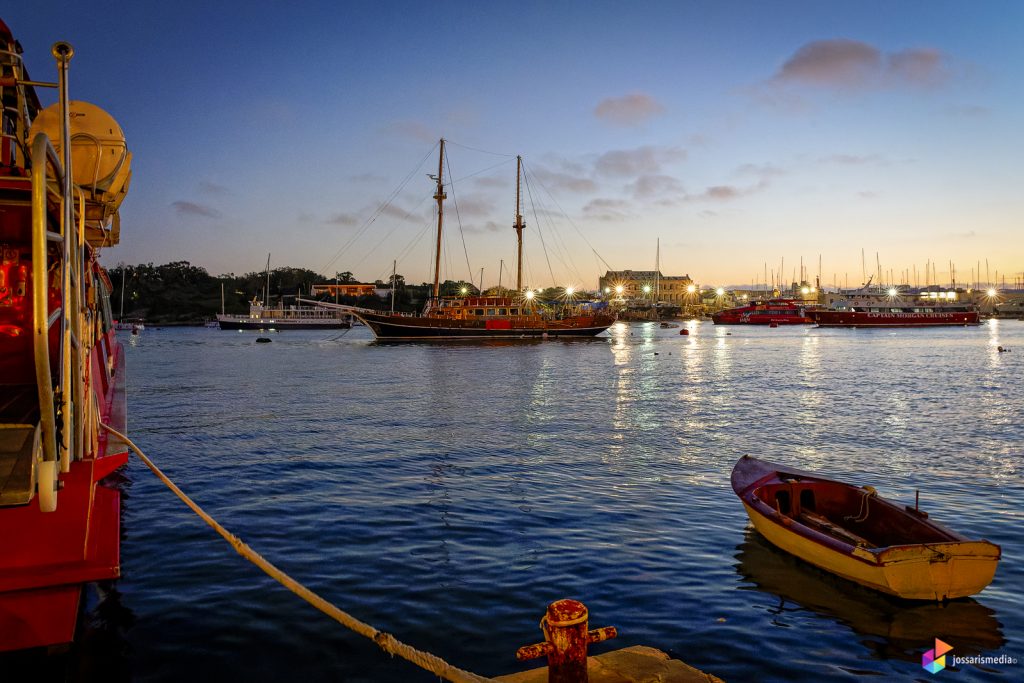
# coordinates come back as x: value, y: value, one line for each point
x: 772, y: 312
x: 61, y: 367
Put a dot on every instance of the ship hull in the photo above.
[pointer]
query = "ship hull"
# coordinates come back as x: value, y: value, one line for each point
x: 408, y: 328
x: 910, y: 319
x: 773, y: 313
x: 50, y: 555
x: 284, y: 325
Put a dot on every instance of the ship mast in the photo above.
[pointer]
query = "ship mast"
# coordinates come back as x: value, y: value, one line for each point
x: 519, y: 225
x: 440, y: 196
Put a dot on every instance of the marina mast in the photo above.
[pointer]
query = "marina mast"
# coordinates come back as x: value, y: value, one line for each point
x: 440, y: 196
x: 519, y: 225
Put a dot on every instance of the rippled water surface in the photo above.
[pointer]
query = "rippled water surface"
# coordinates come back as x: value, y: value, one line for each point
x: 447, y: 492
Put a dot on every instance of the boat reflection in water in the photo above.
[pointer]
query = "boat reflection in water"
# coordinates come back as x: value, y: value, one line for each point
x: 890, y: 628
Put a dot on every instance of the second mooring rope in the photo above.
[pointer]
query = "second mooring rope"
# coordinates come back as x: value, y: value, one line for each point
x: 385, y: 641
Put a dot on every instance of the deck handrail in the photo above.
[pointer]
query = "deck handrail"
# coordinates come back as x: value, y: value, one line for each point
x: 43, y: 156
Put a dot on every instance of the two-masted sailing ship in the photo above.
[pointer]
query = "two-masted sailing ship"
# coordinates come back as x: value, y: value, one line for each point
x: 520, y: 316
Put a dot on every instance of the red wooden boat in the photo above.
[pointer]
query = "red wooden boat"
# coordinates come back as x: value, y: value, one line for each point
x: 854, y: 533
x: 897, y: 315
x: 61, y: 367
x: 773, y: 312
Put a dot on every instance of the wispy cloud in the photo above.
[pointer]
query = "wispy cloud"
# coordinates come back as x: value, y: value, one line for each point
x: 343, y: 219
x: 473, y: 206
x: 211, y: 188
x: 557, y: 180
x: 629, y: 110
x: 726, y: 193
x: 846, y: 64
x: 606, y: 210
x: 192, y: 209
x: 970, y: 111
x: 394, y: 211
x: 491, y: 181
x: 838, y: 62
x: 417, y: 130
x: 647, y: 186
x: 917, y: 66
x: 763, y: 171
x: 855, y: 159
x: 635, y: 162
x: 489, y: 227
x: 367, y: 178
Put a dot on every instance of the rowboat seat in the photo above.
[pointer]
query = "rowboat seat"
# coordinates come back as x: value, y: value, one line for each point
x: 824, y: 525
x: 19, y: 444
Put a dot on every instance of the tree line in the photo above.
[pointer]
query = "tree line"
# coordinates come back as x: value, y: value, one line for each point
x: 181, y: 293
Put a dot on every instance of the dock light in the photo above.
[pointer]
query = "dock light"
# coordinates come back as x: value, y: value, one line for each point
x: 569, y: 291
x: 647, y: 289
x: 719, y: 291
x: 529, y: 294
x: 607, y: 290
x: 991, y: 292
x: 464, y: 290
x: 814, y: 290
x: 892, y: 291
x: 805, y: 290
x: 690, y: 289
x: 618, y: 289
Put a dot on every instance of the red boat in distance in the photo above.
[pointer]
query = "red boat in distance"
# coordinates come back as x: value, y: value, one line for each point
x: 773, y: 312
x: 898, y: 315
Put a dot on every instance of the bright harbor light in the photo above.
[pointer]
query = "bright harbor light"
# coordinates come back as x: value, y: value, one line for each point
x: 647, y: 289
x: 991, y: 292
x: 805, y: 290
x: 892, y: 291
x: 720, y: 291
x: 529, y: 294
x: 464, y: 291
x: 618, y: 289
x: 690, y: 289
x: 569, y: 291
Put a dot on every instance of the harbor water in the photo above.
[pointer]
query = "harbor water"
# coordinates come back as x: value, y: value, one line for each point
x: 446, y: 493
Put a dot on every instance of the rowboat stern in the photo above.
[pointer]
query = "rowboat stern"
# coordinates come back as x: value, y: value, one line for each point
x: 939, y: 571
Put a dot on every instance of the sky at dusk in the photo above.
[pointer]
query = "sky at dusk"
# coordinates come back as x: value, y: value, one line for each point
x: 738, y: 133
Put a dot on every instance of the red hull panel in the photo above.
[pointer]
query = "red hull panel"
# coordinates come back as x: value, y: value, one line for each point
x: 20, y: 625
x: 907, y: 319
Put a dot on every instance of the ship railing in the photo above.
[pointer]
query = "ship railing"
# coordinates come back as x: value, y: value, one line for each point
x: 63, y: 441
x: 44, y: 157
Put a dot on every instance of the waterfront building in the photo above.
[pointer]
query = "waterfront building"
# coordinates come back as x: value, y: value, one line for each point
x: 648, y: 286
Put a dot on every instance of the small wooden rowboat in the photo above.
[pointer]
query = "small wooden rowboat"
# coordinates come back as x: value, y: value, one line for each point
x: 852, y: 532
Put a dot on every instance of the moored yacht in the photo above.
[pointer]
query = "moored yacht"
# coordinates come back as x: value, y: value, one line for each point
x: 771, y: 312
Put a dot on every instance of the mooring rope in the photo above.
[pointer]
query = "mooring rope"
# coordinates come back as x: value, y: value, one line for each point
x: 385, y: 641
x: 862, y: 514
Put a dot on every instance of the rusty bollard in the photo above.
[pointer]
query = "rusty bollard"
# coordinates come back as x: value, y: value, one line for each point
x: 565, y: 641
